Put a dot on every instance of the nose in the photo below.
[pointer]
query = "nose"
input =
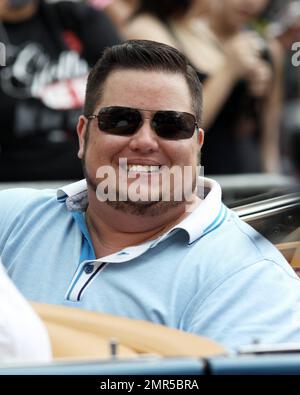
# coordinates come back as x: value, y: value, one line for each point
x: 145, y: 140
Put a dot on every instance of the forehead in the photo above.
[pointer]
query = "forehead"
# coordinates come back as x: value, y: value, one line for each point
x: 146, y: 89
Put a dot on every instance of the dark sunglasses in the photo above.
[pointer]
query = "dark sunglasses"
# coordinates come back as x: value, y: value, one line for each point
x: 125, y: 121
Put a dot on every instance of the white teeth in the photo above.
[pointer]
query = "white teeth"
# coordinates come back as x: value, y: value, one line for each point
x: 143, y: 168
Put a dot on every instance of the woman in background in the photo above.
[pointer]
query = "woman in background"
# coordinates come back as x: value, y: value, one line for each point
x: 240, y: 74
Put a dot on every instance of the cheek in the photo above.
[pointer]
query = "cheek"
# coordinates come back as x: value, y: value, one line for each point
x: 93, y: 152
x: 103, y: 149
x: 186, y: 153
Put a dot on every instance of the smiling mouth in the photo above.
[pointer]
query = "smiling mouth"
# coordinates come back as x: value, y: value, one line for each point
x: 132, y: 168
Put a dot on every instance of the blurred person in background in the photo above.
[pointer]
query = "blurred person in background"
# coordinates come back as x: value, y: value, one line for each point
x: 285, y: 28
x: 118, y: 10
x: 157, y: 20
x: 241, y: 74
x: 49, y: 51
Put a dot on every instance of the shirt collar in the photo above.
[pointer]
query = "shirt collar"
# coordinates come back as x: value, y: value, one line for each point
x: 208, y: 215
x: 71, y: 190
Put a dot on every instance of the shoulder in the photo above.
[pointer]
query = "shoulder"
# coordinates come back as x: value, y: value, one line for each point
x: 233, y: 256
x: 148, y: 28
x: 14, y: 202
x: 248, y: 243
x: 24, y: 195
x: 233, y: 247
x: 203, y: 46
x: 27, y: 214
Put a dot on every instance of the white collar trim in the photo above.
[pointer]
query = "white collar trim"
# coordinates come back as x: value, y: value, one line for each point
x: 71, y: 189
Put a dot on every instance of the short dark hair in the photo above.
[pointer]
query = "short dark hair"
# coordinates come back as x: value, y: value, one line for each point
x: 164, y: 9
x: 141, y: 55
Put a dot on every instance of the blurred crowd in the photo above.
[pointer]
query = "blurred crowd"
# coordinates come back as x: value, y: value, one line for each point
x: 242, y: 51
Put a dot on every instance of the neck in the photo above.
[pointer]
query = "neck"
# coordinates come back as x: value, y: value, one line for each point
x: 112, y: 229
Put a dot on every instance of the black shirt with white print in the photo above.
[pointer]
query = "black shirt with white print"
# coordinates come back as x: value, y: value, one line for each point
x: 42, y: 88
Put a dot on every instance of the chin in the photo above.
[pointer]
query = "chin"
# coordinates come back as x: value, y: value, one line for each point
x: 142, y: 208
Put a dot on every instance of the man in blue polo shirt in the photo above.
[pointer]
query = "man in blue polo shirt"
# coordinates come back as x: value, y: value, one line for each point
x: 134, y: 239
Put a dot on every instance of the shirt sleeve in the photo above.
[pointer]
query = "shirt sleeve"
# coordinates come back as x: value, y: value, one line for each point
x: 23, y: 336
x: 11, y: 201
x: 258, y: 303
x: 15, y: 207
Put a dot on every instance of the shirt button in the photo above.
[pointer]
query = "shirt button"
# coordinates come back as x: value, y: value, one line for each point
x: 88, y: 268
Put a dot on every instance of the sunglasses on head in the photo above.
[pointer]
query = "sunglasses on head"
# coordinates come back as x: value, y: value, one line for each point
x: 125, y: 121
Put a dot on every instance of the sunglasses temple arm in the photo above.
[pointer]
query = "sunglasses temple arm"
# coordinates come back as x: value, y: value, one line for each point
x: 92, y: 117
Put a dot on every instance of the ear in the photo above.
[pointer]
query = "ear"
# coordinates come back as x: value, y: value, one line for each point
x: 200, y: 137
x: 81, y: 132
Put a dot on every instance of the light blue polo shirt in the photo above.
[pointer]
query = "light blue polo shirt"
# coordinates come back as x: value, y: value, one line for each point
x: 211, y: 274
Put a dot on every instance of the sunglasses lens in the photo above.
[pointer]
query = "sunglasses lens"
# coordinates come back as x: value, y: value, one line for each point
x: 119, y: 120
x: 125, y: 121
x: 173, y: 125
